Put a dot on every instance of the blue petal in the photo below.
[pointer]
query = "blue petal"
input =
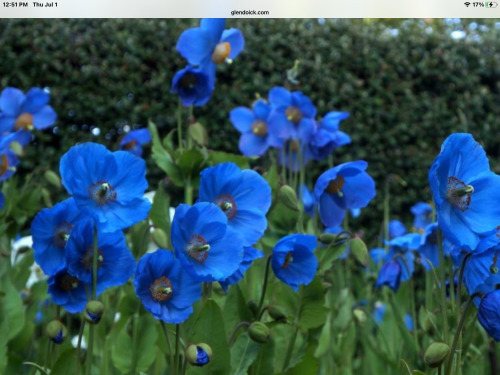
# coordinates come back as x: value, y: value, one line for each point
x: 242, y: 119
x: 196, y: 45
x: 214, y: 27
x: 11, y: 101
x: 253, y: 145
x: 261, y: 109
x: 253, y: 192
x: 129, y: 180
x: 304, y: 104
x: 483, y: 214
x: 250, y: 224
x: 44, y: 118
x: 331, y: 214
x: 358, y: 190
x: 332, y: 119
x: 235, y: 39
x: 35, y: 100
x: 280, y: 97
x: 6, y: 123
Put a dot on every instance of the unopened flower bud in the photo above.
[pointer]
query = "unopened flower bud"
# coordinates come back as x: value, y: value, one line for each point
x: 436, y: 354
x: 359, y: 251
x: 160, y: 238
x: 327, y: 238
x: 93, y: 312
x: 52, y: 178
x: 254, y: 308
x: 56, y: 331
x: 360, y: 316
x: 277, y: 313
x: 288, y: 197
x: 259, y: 332
x: 198, y: 354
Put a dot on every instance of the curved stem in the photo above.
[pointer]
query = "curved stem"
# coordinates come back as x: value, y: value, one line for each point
x: 442, y: 289
x: 264, y: 286
x: 167, y: 337
x: 176, y: 360
x: 179, y: 124
x: 94, y: 293
x: 235, y: 331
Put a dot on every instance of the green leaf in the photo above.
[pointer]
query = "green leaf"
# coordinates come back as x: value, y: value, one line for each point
x: 312, y: 312
x: 217, y: 157
x: 209, y: 328
x: 21, y: 272
x: 324, y: 338
x: 243, y: 354
x: 235, y: 308
x: 44, y: 370
x: 160, y: 210
x: 198, y: 133
x: 163, y: 159
x: 327, y: 255
x: 11, y: 308
x: 308, y: 365
x: 66, y: 363
x: 191, y: 162
x: 136, y: 353
x: 264, y: 364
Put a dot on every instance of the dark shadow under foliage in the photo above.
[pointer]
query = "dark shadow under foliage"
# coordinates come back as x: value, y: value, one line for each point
x: 407, y: 86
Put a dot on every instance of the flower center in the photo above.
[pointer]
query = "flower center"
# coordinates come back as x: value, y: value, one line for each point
x: 88, y: 258
x: 24, y: 121
x: 130, y: 145
x: 188, y: 81
x: 227, y: 204
x: 293, y: 114
x: 61, y: 234
x: 259, y: 128
x: 197, y: 248
x: 4, y: 165
x: 101, y: 193
x: 458, y: 194
x: 221, y: 52
x: 68, y: 282
x: 161, y: 289
x: 334, y: 186
x: 288, y: 260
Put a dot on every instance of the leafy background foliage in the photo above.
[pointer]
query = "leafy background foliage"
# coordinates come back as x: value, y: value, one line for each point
x: 405, y: 92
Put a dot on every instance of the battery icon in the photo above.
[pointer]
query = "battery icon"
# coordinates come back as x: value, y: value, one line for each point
x: 491, y: 4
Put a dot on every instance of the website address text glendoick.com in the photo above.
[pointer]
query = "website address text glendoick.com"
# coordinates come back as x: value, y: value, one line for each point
x: 249, y: 13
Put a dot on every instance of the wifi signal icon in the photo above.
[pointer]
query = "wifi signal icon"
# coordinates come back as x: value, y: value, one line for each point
x: 467, y: 4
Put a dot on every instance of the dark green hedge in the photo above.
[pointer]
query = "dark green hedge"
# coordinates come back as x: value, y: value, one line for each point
x: 405, y: 92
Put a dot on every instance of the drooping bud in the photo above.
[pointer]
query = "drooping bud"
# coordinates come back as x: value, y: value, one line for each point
x: 198, y: 354
x: 327, y: 238
x: 277, y: 313
x: 254, y: 308
x: 359, y: 251
x: 436, y: 354
x: 259, y: 332
x: 288, y: 197
x: 93, y: 312
x: 360, y: 316
x: 52, y: 178
x: 56, y: 331
x: 160, y: 238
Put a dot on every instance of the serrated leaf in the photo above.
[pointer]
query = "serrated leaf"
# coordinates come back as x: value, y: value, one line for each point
x: 327, y: 255
x: 191, y: 162
x: 243, y: 353
x: 163, y: 159
x: 210, y: 329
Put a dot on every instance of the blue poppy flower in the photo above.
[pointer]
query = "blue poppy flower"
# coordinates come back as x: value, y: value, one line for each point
x: 210, y: 44
x: 165, y: 290
x: 409, y: 322
x: 396, y: 229
x: 2, y: 200
x: 401, y: 250
x: 193, y: 85
x: 23, y: 112
x: 289, y: 155
x: 389, y: 275
x: 465, y: 191
x: 51, y: 230
x: 489, y: 314
x: 243, y: 195
x: 253, y: 124
x: 8, y: 163
x: 293, y: 260
x: 249, y: 255
x: 423, y: 215
x: 343, y: 187
x: 308, y: 200
x: 107, y: 186
x: 23, y: 137
x: 67, y: 291
x: 133, y: 141
x: 327, y: 136
x: 429, y: 250
x: 378, y: 255
x: 115, y: 261
x: 206, y: 245
x: 293, y: 114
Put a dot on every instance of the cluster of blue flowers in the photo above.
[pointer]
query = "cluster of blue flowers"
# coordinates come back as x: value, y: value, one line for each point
x: 19, y: 114
x: 135, y: 140
x: 106, y: 191
x: 287, y: 122
x: 204, y: 47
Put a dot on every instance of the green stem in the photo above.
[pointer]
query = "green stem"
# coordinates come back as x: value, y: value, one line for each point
x: 289, y: 351
x: 179, y: 124
x: 95, y: 256
x: 167, y: 337
x: 176, y: 359
x: 188, y: 191
x: 79, y: 346
x: 264, y: 286
x: 458, y: 334
x: 235, y: 331
x: 442, y: 279
x: 386, y: 209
